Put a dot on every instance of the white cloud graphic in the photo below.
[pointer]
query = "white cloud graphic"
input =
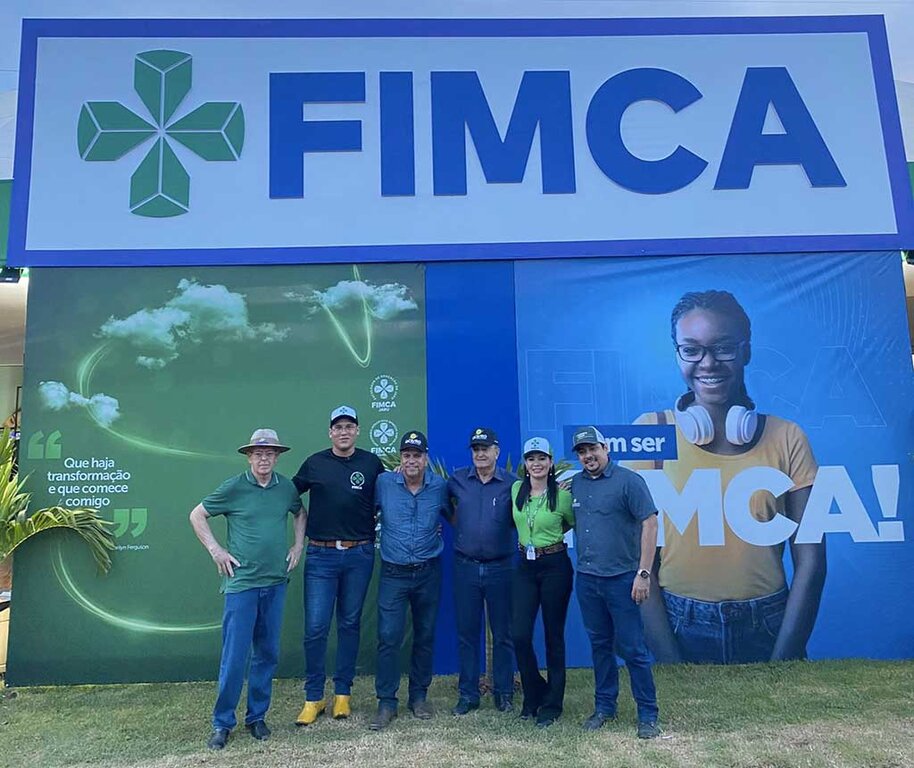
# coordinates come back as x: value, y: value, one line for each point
x: 384, y: 301
x: 55, y: 396
x: 196, y: 313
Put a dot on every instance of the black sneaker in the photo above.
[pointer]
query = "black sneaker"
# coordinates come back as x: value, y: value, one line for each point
x: 464, y: 706
x: 648, y: 729
x: 218, y: 738
x: 422, y: 709
x: 504, y: 703
x: 259, y: 730
x: 382, y: 719
x: 597, y: 720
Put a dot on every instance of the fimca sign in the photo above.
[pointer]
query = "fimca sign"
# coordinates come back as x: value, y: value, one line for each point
x: 502, y: 139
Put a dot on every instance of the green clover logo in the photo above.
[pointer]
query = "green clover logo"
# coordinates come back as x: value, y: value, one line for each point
x: 108, y: 130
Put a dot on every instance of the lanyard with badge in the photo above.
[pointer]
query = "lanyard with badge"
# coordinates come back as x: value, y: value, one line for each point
x: 531, y: 509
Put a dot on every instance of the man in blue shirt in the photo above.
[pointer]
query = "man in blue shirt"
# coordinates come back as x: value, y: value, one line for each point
x: 484, y: 547
x: 616, y: 533
x: 410, y: 504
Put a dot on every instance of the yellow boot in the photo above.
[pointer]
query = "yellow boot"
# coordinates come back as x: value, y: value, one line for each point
x: 341, y: 708
x: 310, y: 712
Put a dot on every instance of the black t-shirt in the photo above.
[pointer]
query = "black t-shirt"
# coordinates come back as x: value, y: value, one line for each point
x: 341, y: 503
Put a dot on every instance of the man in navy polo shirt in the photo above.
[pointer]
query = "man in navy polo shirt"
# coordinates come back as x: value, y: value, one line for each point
x: 410, y: 505
x: 484, y: 547
x: 254, y: 566
x: 616, y: 533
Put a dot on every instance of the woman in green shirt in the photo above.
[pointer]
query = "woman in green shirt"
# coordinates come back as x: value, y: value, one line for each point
x: 542, y: 581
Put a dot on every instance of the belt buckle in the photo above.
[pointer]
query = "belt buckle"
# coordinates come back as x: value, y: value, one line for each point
x: 339, y: 545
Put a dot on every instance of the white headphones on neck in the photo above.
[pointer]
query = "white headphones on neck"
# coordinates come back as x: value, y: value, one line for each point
x: 696, y: 426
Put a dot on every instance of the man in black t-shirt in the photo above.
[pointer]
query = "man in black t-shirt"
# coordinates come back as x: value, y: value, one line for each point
x: 339, y: 560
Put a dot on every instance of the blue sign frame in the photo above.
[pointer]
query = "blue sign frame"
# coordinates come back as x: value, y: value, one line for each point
x: 873, y: 26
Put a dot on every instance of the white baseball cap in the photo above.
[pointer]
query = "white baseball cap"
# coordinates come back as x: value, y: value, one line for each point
x: 537, y: 445
x: 343, y: 412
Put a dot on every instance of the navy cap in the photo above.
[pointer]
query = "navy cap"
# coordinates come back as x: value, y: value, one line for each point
x: 483, y: 436
x: 414, y: 440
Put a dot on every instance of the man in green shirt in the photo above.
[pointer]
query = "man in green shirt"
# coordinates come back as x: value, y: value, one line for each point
x: 254, y: 567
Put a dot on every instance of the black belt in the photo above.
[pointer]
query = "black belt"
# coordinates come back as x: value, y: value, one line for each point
x: 480, y: 561
x: 410, y: 566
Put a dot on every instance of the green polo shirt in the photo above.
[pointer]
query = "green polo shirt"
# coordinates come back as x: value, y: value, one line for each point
x: 548, y: 526
x: 256, y: 519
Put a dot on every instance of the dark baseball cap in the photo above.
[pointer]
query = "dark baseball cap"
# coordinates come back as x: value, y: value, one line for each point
x: 483, y: 436
x: 588, y: 436
x: 414, y: 440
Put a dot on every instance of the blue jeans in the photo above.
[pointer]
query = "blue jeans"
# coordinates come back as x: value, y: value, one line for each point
x: 729, y: 632
x: 419, y: 588
x: 475, y: 584
x: 334, y: 578
x: 251, y: 624
x: 613, y: 623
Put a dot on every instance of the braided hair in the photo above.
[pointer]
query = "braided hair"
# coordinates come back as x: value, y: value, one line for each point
x: 723, y: 303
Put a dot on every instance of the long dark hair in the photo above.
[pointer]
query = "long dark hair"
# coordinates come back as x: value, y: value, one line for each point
x: 724, y: 303
x: 552, y: 490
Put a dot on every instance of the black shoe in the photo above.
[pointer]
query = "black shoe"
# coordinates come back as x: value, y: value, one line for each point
x: 504, y: 703
x: 544, y: 721
x: 528, y: 713
x: 382, y: 719
x: 648, y: 729
x: 596, y: 721
x: 259, y: 730
x: 464, y: 706
x: 218, y: 738
x: 422, y: 709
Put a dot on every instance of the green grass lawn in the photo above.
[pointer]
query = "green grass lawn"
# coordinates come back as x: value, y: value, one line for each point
x: 855, y: 714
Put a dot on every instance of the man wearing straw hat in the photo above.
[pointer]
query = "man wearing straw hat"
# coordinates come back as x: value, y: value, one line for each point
x: 254, y: 567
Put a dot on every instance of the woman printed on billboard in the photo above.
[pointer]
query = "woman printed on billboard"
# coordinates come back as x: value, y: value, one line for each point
x: 730, y: 603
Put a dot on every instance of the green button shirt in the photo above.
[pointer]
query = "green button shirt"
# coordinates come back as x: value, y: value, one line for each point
x: 258, y: 536
x: 548, y: 526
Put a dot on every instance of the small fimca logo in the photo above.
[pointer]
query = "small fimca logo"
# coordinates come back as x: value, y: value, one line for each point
x: 383, y: 435
x: 108, y: 130
x: 357, y: 480
x: 384, y: 391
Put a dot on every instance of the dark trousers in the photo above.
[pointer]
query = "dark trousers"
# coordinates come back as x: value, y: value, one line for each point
x: 613, y: 623
x: 475, y: 584
x: 251, y: 623
x: 543, y: 585
x: 334, y: 579
x: 416, y: 588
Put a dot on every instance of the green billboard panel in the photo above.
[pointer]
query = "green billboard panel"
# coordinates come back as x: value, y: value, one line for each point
x: 139, y: 386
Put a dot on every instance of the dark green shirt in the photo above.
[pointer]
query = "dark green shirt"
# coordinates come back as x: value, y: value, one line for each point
x: 256, y: 519
x: 548, y: 526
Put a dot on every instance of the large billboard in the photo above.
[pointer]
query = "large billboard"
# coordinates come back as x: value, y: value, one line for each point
x: 206, y: 141
x: 140, y: 385
x: 794, y: 516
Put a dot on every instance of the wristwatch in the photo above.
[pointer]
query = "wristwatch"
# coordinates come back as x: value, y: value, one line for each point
x: 644, y: 573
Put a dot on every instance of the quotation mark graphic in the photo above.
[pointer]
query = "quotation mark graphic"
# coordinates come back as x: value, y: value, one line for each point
x: 39, y: 448
x: 123, y: 518
x: 107, y: 130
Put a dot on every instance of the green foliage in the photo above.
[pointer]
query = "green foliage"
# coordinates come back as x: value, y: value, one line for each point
x: 17, y: 525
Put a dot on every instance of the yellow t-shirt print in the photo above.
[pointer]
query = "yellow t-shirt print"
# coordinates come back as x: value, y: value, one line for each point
x: 737, y: 570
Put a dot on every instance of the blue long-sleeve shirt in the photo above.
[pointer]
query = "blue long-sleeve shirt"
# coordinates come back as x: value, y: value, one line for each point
x: 410, y: 529
x: 483, y: 523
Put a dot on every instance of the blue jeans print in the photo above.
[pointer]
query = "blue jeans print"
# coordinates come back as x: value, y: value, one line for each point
x: 475, y: 584
x: 401, y: 588
x: 334, y: 578
x: 613, y: 623
x: 729, y: 632
x: 251, y: 624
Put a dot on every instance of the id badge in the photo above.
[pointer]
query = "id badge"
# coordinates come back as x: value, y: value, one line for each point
x: 531, y: 552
